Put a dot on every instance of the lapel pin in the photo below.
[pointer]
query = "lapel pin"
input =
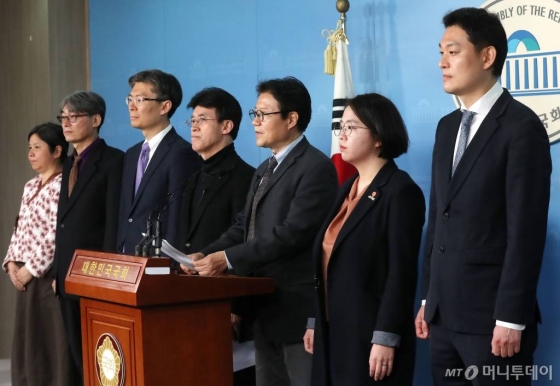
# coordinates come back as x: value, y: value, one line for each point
x: 372, y: 196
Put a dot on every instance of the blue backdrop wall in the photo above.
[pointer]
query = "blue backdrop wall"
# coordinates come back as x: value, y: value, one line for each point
x: 234, y: 44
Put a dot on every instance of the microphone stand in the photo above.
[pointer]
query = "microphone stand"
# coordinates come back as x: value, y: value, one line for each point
x: 143, y: 247
x: 138, y: 249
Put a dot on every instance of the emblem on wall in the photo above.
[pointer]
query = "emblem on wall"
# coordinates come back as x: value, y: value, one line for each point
x: 109, y: 363
x: 531, y: 72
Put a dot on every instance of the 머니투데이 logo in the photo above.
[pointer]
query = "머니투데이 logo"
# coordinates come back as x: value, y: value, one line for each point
x: 531, y: 72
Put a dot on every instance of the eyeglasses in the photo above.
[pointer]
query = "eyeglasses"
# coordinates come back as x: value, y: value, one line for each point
x: 260, y: 115
x: 346, y: 128
x: 198, y: 121
x: 139, y: 100
x: 70, y: 118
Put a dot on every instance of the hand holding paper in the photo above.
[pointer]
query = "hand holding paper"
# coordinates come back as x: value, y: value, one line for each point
x: 177, y: 255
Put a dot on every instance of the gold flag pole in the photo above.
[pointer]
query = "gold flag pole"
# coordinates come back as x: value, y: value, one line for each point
x: 333, y: 37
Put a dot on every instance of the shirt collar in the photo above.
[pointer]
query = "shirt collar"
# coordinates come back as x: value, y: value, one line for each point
x: 482, y: 106
x: 88, y: 150
x: 282, y: 154
x: 156, y: 139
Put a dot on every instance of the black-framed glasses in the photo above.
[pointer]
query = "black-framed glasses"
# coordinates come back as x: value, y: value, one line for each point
x: 72, y: 118
x: 260, y: 115
x: 346, y: 128
x: 198, y: 121
x: 139, y: 100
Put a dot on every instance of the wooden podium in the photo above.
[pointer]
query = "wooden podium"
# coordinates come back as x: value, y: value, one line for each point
x: 140, y: 328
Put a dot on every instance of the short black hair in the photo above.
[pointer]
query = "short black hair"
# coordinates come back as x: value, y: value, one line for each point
x: 85, y: 102
x: 227, y: 107
x: 382, y: 117
x: 484, y: 29
x: 291, y: 95
x: 52, y: 135
x: 164, y: 85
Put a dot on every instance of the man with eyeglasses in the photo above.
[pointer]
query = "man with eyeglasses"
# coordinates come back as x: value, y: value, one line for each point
x: 216, y: 193
x: 156, y: 169
x: 88, y: 205
x: 289, y: 198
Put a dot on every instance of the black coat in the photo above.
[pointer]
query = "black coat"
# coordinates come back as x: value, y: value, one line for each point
x: 88, y: 218
x: 371, y: 281
x: 293, y: 206
x: 487, y: 224
x: 223, y: 197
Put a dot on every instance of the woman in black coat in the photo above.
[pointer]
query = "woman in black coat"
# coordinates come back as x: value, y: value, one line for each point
x: 366, y: 257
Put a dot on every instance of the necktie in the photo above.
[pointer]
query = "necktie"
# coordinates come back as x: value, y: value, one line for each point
x: 74, y: 173
x: 142, y: 163
x: 272, y: 163
x: 466, y: 122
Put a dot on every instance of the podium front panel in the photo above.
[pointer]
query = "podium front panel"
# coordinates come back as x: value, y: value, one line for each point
x: 111, y: 333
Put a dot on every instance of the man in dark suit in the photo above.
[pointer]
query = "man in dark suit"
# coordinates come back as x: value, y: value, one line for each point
x: 488, y: 215
x: 89, y: 202
x: 289, y: 198
x: 156, y: 169
x: 216, y: 193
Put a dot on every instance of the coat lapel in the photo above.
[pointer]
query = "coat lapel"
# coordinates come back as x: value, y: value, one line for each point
x: 286, y: 164
x: 367, y: 202
x: 449, y: 137
x: 477, y: 145
x: 129, y: 176
x: 252, y: 190
x: 84, y: 176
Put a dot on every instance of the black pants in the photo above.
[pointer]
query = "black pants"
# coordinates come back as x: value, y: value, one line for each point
x: 245, y: 377
x: 460, y: 359
x: 280, y: 364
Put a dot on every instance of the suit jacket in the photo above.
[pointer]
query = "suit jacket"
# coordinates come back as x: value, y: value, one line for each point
x: 371, y: 281
x: 219, y: 204
x: 88, y: 218
x: 487, y: 224
x: 172, y: 164
x: 294, y: 204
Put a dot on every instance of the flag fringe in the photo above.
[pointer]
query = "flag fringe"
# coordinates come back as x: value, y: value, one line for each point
x: 332, y: 38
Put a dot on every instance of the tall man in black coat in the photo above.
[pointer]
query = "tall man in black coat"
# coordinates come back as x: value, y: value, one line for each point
x: 89, y: 202
x: 289, y: 198
x: 156, y: 169
x: 488, y: 215
x: 216, y: 193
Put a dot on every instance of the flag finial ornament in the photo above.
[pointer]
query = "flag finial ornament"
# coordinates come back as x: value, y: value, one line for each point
x: 342, y: 6
x: 334, y: 36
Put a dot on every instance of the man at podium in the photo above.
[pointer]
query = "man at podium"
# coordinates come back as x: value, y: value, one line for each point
x: 290, y: 196
x: 216, y: 193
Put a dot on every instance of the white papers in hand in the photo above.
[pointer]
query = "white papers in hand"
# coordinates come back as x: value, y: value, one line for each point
x: 176, y: 255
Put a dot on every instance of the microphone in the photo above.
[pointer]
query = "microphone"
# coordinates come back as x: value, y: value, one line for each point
x: 158, y: 226
x: 143, y: 246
